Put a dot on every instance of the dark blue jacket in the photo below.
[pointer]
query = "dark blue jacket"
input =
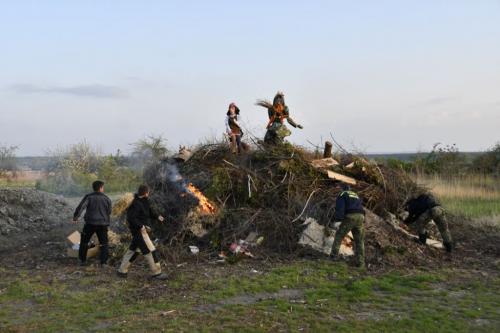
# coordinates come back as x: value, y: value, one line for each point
x: 348, y: 202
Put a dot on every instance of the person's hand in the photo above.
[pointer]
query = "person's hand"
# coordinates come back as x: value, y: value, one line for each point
x: 336, y: 225
x: 161, y: 218
x: 148, y: 228
x: 74, y: 221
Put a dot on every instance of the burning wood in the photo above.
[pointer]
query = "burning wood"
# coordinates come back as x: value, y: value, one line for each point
x: 204, y: 205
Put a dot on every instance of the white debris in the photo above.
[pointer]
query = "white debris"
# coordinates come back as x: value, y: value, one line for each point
x: 314, y: 237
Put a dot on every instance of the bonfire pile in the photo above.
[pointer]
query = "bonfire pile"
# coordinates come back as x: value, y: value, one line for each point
x: 214, y: 199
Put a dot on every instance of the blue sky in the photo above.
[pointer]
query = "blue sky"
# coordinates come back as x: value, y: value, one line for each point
x: 382, y: 76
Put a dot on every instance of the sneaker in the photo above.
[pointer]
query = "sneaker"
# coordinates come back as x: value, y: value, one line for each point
x: 161, y: 276
x: 121, y: 274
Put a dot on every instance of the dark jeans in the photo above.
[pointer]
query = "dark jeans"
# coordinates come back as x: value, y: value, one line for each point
x: 102, y: 236
x: 138, y: 242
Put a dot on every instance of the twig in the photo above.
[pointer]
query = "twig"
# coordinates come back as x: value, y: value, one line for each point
x: 338, y: 144
x: 307, y: 203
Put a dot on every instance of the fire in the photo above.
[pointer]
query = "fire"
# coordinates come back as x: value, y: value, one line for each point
x: 204, y: 206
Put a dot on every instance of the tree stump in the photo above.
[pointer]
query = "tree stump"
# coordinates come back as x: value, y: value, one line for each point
x: 328, y: 149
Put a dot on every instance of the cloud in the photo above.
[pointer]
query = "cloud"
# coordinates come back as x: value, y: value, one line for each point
x: 91, y: 90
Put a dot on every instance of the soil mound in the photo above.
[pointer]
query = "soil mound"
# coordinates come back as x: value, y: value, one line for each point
x: 31, y: 211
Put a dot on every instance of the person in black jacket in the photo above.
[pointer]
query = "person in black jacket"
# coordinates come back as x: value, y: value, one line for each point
x: 349, y: 210
x: 139, y: 214
x: 422, y: 210
x: 97, y: 208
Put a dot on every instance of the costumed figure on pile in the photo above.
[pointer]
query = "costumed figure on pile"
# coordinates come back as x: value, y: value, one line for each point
x: 277, y: 112
x: 233, y: 128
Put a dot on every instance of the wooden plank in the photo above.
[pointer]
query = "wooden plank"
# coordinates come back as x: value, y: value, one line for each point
x: 324, y: 163
x: 341, y: 178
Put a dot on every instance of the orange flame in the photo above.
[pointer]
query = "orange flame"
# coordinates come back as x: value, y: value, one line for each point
x: 204, y: 206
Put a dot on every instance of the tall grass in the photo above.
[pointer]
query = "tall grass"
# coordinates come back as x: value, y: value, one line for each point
x: 471, y: 195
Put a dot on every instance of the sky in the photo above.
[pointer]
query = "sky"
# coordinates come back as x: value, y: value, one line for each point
x: 378, y: 76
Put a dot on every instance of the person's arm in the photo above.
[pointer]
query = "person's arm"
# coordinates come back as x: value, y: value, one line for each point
x: 339, y: 208
x: 290, y: 120
x: 228, y: 129
x: 411, y: 212
x: 237, y: 123
x: 81, y: 207
x: 109, y: 207
x: 153, y: 213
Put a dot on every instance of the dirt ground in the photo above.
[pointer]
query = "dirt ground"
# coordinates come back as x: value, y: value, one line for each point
x: 477, y: 247
x: 36, y: 277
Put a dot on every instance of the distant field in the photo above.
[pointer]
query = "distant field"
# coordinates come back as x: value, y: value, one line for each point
x: 21, y: 179
x: 471, y: 196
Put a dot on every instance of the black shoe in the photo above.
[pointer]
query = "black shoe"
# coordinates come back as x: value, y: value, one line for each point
x: 361, y: 266
x: 334, y: 257
x: 161, y: 276
x: 448, y: 247
x: 122, y: 275
x: 83, y: 263
x: 422, y: 238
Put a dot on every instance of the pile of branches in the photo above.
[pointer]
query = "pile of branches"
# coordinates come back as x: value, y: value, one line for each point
x: 270, y: 190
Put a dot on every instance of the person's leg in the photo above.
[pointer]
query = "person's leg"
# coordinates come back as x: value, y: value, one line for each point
x: 130, y: 256
x: 152, y: 257
x: 358, y: 233
x: 87, y: 233
x: 420, y: 225
x: 102, y: 236
x: 439, y: 217
x: 343, y: 230
x: 233, y: 143
x: 238, y: 143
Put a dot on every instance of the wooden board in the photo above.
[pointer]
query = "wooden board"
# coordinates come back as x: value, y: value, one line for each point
x: 324, y: 163
x: 341, y: 178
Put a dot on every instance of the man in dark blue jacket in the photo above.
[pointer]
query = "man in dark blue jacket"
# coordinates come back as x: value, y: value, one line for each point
x: 97, y: 208
x: 139, y: 214
x: 349, y: 210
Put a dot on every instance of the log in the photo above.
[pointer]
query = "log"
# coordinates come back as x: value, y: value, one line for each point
x: 328, y: 150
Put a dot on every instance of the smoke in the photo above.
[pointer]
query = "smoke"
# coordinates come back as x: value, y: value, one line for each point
x: 169, y: 172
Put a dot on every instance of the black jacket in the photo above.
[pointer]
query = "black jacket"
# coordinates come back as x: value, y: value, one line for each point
x: 97, y: 208
x: 419, y: 205
x: 348, y: 202
x: 140, y: 213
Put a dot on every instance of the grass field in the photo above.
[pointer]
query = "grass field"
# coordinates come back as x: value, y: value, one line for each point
x: 300, y: 296
x: 473, y: 196
x: 17, y: 183
x: 304, y: 296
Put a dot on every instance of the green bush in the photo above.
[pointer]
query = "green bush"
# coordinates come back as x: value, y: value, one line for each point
x: 489, y: 162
